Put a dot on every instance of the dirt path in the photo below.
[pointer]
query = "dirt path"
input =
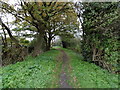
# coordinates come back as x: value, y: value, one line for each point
x: 63, y: 76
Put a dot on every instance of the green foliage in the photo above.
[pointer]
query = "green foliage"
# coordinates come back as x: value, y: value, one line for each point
x: 1, y: 86
x: 23, y: 41
x: 89, y: 75
x: 112, y: 53
x: 101, y: 26
x: 45, y: 18
x: 75, y: 45
x: 32, y: 73
x: 57, y: 43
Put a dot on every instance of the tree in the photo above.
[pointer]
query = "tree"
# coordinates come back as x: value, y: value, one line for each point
x: 62, y: 25
x: 99, y: 33
x: 37, y: 14
x: 10, y: 34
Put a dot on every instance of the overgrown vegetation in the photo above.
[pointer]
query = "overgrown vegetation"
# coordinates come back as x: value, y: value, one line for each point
x: 88, y: 75
x: 101, y: 25
x: 33, y: 72
x: 89, y: 29
x: 41, y: 21
x: 43, y: 72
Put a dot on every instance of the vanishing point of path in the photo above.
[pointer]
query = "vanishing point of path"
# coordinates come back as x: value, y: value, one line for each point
x: 63, y: 75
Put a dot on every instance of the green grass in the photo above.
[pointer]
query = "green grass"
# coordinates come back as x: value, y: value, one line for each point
x: 44, y: 70
x: 1, y: 78
x: 32, y: 73
x: 56, y: 47
x: 88, y: 75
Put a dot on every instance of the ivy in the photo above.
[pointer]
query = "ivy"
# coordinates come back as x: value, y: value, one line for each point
x: 100, y: 40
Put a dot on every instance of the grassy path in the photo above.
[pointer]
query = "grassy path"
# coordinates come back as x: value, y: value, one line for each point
x: 56, y: 69
x: 63, y: 75
x: 88, y: 75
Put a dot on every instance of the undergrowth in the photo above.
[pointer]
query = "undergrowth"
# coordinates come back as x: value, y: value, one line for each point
x: 88, y: 75
x: 32, y: 73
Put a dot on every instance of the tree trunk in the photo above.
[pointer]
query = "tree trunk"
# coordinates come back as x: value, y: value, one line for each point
x: 38, y: 45
x: 5, y: 39
x: 49, y: 44
x: 64, y: 44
